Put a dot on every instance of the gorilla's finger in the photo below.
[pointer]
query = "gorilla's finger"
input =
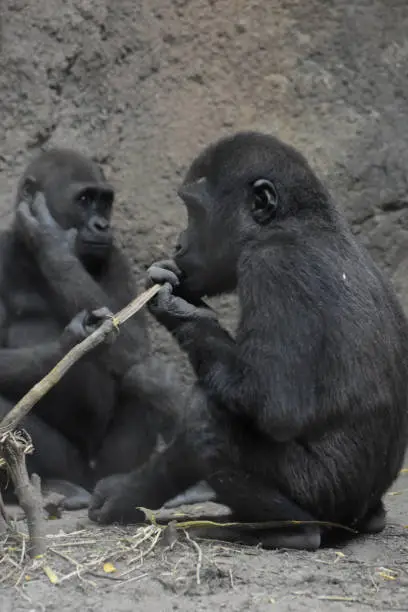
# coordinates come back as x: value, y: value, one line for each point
x: 168, y: 264
x: 26, y: 223
x: 96, y: 318
x: 40, y: 210
x: 23, y: 211
x: 99, y: 315
x: 163, y: 297
x: 93, y: 514
x: 77, y: 325
x: 105, y: 515
x: 71, y: 236
x: 162, y: 275
x: 77, y: 502
x: 103, y: 313
x: 95, y: 506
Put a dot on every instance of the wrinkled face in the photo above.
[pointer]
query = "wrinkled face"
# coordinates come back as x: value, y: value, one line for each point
x: 225, y: 211
x: 77, y: 196
x: 91, y: 211
x: 205, y: 253
x: 241, y: 194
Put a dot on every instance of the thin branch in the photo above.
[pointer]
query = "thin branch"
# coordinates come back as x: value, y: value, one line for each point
x: 28, y: 493
x: 14, y: 446
x: 4, y: 519
x: 30, y: 399
x: 199, y: 555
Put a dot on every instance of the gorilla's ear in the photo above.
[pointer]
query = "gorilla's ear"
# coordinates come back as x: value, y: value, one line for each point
x: 264, y: 201
x: 29, y: 188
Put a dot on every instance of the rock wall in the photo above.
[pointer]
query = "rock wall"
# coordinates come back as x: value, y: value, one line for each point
x: 143, y: 85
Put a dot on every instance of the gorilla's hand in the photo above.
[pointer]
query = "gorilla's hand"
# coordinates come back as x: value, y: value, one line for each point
x: 115, y: 500
x: 38, y: 227
x: 169, y: 309
x: 165, y: 271
x: 84, y: 324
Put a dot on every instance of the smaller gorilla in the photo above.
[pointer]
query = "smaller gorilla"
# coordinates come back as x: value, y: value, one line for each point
x: 303, y: 415
x: 60, y: 258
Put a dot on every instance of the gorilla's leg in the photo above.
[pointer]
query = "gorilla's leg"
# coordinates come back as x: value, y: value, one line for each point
x: 213, y: 448
x: 130, y: 441
x: 155, y: 389
x: 233, y: 460
x: 197, y: 494
x: 76, y: 497
x: 54, y: 459
x: 151, y: 402
x: 374, y: 521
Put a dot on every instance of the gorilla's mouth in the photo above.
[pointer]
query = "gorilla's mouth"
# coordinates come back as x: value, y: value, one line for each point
x: 92, y: 244
x: 94, y: 253
x: 95, y: 246
x: 190, y: 288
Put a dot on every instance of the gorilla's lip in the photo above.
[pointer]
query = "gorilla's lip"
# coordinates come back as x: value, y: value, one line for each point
x: 188, y: 289
x: 101, y: 244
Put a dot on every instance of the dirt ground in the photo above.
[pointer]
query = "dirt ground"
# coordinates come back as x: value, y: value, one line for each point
x: 367, y: 574
x: 142, y: 86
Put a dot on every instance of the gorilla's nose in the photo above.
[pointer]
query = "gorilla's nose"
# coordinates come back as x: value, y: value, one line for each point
x: 98, y: 225
x: 181, y: 245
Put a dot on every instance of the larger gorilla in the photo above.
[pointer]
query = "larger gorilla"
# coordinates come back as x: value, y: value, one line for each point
x: 302, y: 416
x: 103, y: 416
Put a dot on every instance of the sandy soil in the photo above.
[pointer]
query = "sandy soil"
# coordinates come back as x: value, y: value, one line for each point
x: 142, y: 86
x: 367, y: 573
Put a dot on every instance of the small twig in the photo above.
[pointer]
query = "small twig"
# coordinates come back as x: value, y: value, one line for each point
x: 80, y: 543
x: 199, y: 556
x: 153, y: 544
x: 13, y: 448
x: 134, y: 579
x: 23, y: 551
x: 28, y: 493
x: 336, y: 598
x: 3, y: 516
x: 80, y: 569
x: 23, y: 407
x: 64, y: 556
x: 255, y: 526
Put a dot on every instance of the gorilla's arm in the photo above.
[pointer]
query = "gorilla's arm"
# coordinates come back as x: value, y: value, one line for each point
x: 212, y: 352
x: 75, y: 289
x: 23, y: 367
x: 240, y: 375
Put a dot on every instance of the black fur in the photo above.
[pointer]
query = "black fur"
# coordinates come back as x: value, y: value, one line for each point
x: 303, y: 415
x: 103, y: 416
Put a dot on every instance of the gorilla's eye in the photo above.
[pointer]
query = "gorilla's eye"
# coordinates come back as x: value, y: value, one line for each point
x: 84, y: 199
x: 264, y: 201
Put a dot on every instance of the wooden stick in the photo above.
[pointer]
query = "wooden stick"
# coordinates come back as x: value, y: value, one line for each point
x: 4, y: 519
x: 23, y: 407
x: 28, y: 491
x: 13, y: 447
